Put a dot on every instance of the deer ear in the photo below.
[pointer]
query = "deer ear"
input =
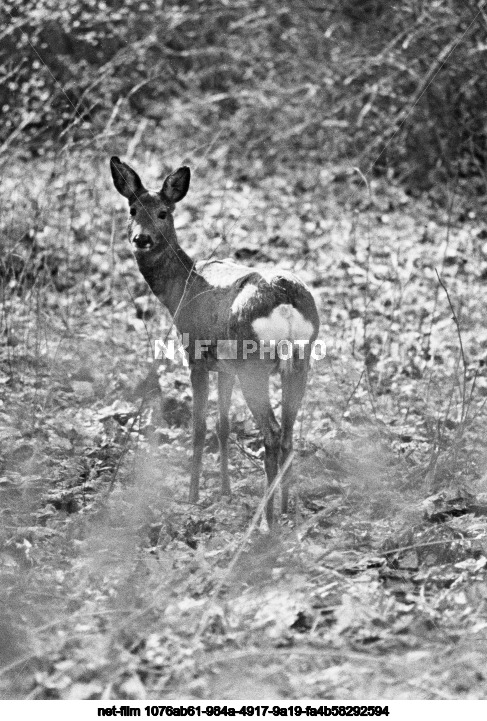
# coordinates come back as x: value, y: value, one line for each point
x: 176, y: 185
x: 126, y: 180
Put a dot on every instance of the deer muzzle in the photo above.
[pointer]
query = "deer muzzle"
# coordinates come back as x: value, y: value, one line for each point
x: 143, y: 241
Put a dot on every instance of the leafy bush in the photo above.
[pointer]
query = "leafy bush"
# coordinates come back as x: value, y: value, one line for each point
x: 399, y: 86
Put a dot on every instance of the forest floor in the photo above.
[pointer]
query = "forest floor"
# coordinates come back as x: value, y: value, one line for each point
x: 111, y: 584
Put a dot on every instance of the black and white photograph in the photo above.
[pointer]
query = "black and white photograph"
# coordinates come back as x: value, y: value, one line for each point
x: 243, y: 357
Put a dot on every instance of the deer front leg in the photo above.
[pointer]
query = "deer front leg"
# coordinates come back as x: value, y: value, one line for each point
x: 200, y: 384
x: 255, y: 388
x: 225, y: 387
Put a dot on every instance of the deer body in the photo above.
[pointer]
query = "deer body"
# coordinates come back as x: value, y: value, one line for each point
x: 222, y: 302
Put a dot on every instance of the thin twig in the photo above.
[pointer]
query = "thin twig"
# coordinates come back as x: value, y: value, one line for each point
x: 462, y: 352
x: 253, y: 524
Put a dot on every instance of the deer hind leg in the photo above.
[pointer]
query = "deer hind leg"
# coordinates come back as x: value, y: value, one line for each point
x: 255, y: 388
x: 225, y: 387
x: 293, y: 388
x: 200, y: 384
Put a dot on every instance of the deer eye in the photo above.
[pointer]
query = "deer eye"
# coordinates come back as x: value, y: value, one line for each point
x: 132, y: 211
x: 162, y: 214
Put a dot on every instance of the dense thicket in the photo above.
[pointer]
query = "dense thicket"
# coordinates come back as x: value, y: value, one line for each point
x: 397, y: 85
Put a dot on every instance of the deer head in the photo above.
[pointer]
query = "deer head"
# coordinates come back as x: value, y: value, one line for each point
x: 151, y: 225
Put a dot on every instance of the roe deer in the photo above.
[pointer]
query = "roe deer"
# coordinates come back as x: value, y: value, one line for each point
x: 225, y: 311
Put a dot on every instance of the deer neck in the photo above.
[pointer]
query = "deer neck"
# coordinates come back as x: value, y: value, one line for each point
x: 172, y: 278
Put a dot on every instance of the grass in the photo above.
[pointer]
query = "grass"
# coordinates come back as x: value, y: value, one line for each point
x: 111, y: 583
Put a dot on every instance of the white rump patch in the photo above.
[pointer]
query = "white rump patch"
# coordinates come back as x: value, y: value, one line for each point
x: 284, y: 323
x: 243, y: 298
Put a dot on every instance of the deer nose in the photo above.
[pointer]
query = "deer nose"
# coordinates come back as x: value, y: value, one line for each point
x: 142, y: 240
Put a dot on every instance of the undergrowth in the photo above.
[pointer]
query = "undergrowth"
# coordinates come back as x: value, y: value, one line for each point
x: 111, y: 583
